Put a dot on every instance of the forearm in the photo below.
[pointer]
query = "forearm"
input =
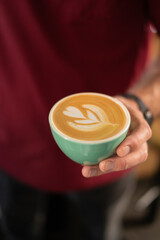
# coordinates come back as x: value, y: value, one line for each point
x: 148, y: 88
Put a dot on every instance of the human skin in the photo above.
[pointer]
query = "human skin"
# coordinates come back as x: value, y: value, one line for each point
x: 134, y: 149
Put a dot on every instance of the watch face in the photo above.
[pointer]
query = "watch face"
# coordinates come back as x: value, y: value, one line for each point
x: 148, y: 116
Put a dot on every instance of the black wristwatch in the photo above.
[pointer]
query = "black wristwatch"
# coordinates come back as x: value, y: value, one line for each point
x: 143, y: 108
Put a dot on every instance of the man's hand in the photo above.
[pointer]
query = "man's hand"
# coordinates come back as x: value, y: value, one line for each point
x: 132, y: 151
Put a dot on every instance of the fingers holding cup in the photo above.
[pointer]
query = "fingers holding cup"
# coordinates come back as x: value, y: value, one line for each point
x: 88, y: 127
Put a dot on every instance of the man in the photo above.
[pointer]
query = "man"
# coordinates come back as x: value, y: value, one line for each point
x: 50, y: 49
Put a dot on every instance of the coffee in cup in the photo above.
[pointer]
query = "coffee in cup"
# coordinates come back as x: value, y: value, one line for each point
x: 83, y: 120
x: 88, y: 116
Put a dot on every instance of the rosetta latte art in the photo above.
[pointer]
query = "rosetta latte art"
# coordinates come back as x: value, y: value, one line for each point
x: 91, y: 119
x: 88, y: 116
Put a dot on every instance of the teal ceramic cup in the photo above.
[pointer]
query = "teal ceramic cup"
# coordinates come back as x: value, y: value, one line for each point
x: 89, y: 152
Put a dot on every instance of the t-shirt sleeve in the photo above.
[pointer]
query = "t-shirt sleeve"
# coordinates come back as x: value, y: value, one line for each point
x: 154, y: 13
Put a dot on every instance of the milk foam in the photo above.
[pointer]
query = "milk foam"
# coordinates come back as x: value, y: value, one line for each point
x: 92, y: 118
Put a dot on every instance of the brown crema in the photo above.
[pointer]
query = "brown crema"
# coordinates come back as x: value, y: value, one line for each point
x: 88, y: 116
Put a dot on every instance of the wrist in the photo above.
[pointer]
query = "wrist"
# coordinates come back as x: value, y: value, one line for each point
x: 141, y: 105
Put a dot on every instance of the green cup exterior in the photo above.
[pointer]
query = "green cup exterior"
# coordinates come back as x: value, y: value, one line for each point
x: 87, y: 153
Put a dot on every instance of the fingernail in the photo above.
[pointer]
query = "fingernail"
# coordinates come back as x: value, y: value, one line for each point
x: 107, y: 167
x: 92, y: 172
x: 124, y: 151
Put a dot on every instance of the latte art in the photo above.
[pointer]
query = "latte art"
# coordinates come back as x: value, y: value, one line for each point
x: 93, y: 119
x: 88, y: 116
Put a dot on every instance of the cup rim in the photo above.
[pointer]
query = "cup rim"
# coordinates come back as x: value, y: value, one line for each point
x: 123, y: 130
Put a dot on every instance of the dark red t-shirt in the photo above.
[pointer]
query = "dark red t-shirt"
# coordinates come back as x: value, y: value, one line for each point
x: 50, y: 49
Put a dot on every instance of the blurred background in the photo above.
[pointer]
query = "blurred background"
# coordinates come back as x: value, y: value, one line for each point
x: 142, y: 219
